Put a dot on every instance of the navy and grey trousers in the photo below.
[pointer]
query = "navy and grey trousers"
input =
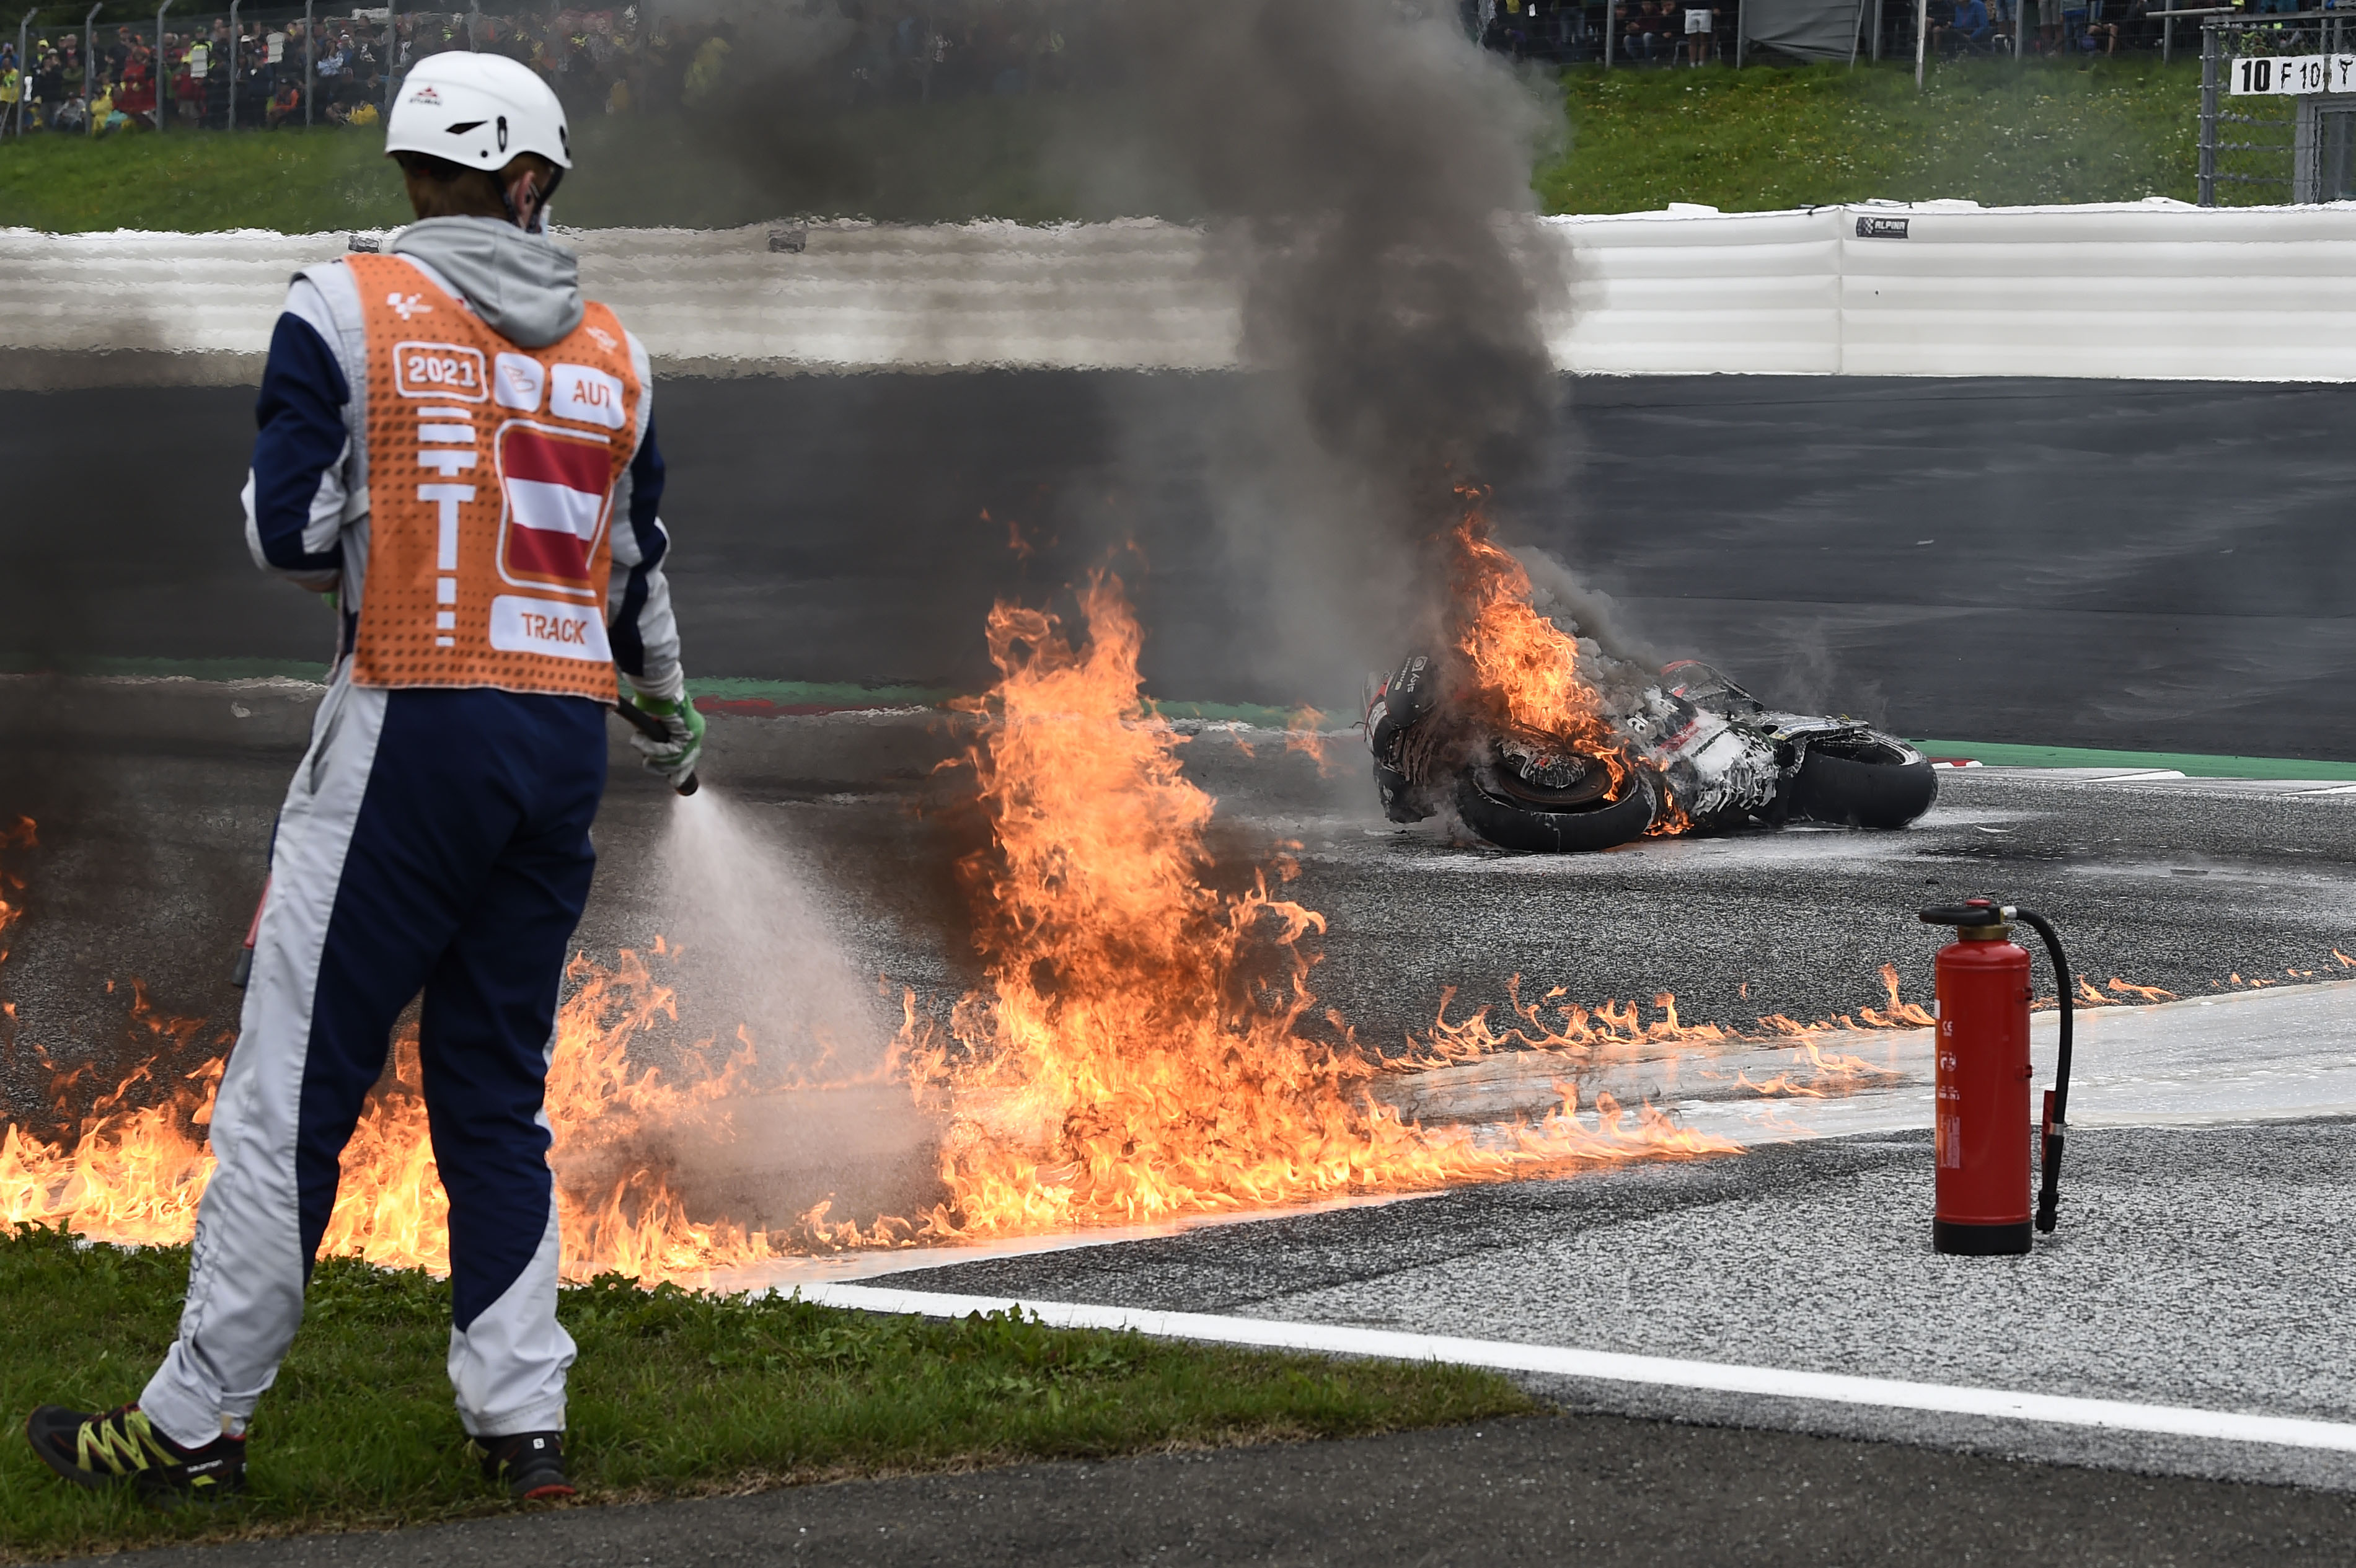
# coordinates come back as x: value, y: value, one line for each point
x: 432, y: 840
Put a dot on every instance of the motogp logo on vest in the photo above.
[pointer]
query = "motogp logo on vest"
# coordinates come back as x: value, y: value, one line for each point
x: 409, y: 307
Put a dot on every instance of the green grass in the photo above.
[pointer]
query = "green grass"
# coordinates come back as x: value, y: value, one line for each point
x: 1987, y: 130
x: 1742, y: 141
x: 960, y: 159
x: 675, y: 1393
x: 296, y: 182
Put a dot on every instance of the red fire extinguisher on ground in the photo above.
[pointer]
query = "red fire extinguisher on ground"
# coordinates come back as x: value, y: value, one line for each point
x: 1982, y: 1131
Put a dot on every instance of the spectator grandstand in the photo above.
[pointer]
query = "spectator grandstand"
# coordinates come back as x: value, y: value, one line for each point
x: 264, y: 67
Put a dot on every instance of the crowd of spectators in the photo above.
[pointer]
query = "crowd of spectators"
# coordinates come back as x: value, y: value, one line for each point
x: 1678, y: 32
x: 1961, y: 28
x: 619, y: 60
x: 634, y: 59
x: 1639, y: 32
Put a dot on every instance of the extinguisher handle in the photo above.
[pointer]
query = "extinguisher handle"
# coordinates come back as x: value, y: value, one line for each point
x: 653, y: 728
x: 243, y: 971
x: 2048, y: 1190
x: 2057, y: 1099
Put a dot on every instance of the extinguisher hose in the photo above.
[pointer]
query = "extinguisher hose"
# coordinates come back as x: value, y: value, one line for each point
x: 2057, y: 1099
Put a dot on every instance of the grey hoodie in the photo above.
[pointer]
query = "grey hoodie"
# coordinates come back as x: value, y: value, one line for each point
x: 526, y: 287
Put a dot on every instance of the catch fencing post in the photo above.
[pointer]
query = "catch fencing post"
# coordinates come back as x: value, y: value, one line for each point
x: 1740, y: 35
x: 163, y: 66
x: 89, y: 74
x: 1854, y: 33
x: 2019, y: 27
x: 1922, y: 37
x: 1877, y: 29
x: 23, y: 77
x: 2209, y: 61
x: 234, y: 51
x: 392, y: 52
x: 475, y: 28
x: 310, y: 53
x: 1607, y: 36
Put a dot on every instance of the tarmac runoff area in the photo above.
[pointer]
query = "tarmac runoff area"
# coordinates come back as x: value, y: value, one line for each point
x: 2202, y: 1266
x: 2204, y: 1260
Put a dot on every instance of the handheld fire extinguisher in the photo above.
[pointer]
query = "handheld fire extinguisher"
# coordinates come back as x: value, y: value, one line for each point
x: 1981, y: 1134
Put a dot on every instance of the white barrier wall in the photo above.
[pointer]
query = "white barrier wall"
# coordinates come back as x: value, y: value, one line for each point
x: 2152, y: 289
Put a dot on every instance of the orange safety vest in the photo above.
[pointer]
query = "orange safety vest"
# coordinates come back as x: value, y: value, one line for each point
x: 492, y: 477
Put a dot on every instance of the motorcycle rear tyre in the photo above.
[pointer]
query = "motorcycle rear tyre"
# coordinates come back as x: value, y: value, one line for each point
x: 1849, y: 792
x: 1514, y: 825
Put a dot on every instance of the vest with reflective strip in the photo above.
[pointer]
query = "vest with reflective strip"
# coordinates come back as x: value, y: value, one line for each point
x: 491, y: 478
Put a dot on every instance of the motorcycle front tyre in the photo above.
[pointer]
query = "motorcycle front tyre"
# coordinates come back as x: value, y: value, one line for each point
x: 1512, y: 824
x: 1862, y: 792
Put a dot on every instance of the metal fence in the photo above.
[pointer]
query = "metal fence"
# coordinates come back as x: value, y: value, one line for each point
x: 2278, y: 108
x: 248, y: 67
x: 1618, y: 32
x: 2061, y: 28
x: 1654, y: 32
x: 269, y: 64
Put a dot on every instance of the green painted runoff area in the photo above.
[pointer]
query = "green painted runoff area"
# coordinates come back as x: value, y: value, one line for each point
x: 2190, y: 763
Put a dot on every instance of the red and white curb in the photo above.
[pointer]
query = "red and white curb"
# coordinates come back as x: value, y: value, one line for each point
x: 1609, y: 1366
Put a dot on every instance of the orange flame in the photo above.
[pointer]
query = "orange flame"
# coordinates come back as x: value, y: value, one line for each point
x: 134, y: 1176
x: 1304, y: 732
x: 1145, y: 1047
x: 1611, y: 1028
x: 1619, y: 1030
x: 1523, y: 666
x: 1900, y: 1014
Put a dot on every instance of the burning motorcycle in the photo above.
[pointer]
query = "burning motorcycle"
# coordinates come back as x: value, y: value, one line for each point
x: 1689, y: 751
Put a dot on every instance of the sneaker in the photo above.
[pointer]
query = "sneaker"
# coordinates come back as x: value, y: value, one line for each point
x: 530, y: 1464
x: 97, y: 1451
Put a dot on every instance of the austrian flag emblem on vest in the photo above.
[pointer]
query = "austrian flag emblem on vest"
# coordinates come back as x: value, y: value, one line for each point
x: 556, y: 485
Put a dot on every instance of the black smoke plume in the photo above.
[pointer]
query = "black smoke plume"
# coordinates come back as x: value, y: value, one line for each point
x: 1362, y: 171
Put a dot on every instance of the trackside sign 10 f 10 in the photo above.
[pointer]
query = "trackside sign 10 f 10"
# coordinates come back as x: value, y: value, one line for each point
x: 2293, y: 74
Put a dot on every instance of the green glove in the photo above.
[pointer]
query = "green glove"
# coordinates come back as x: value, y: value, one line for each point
x: 674, y: 757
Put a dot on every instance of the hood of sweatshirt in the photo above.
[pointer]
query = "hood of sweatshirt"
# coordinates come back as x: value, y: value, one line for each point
x: 526, y: 287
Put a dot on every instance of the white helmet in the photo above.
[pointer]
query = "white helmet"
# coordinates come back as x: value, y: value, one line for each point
x: 480, y: 111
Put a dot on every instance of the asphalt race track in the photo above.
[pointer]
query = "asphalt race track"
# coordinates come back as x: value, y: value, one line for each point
x: 1584, y: 1489
x: 2156, y: 566
x: 2147, y: 566
x: 2204, y: 1260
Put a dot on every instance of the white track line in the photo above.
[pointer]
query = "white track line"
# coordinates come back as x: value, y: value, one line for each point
x: 1608, y: 1366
